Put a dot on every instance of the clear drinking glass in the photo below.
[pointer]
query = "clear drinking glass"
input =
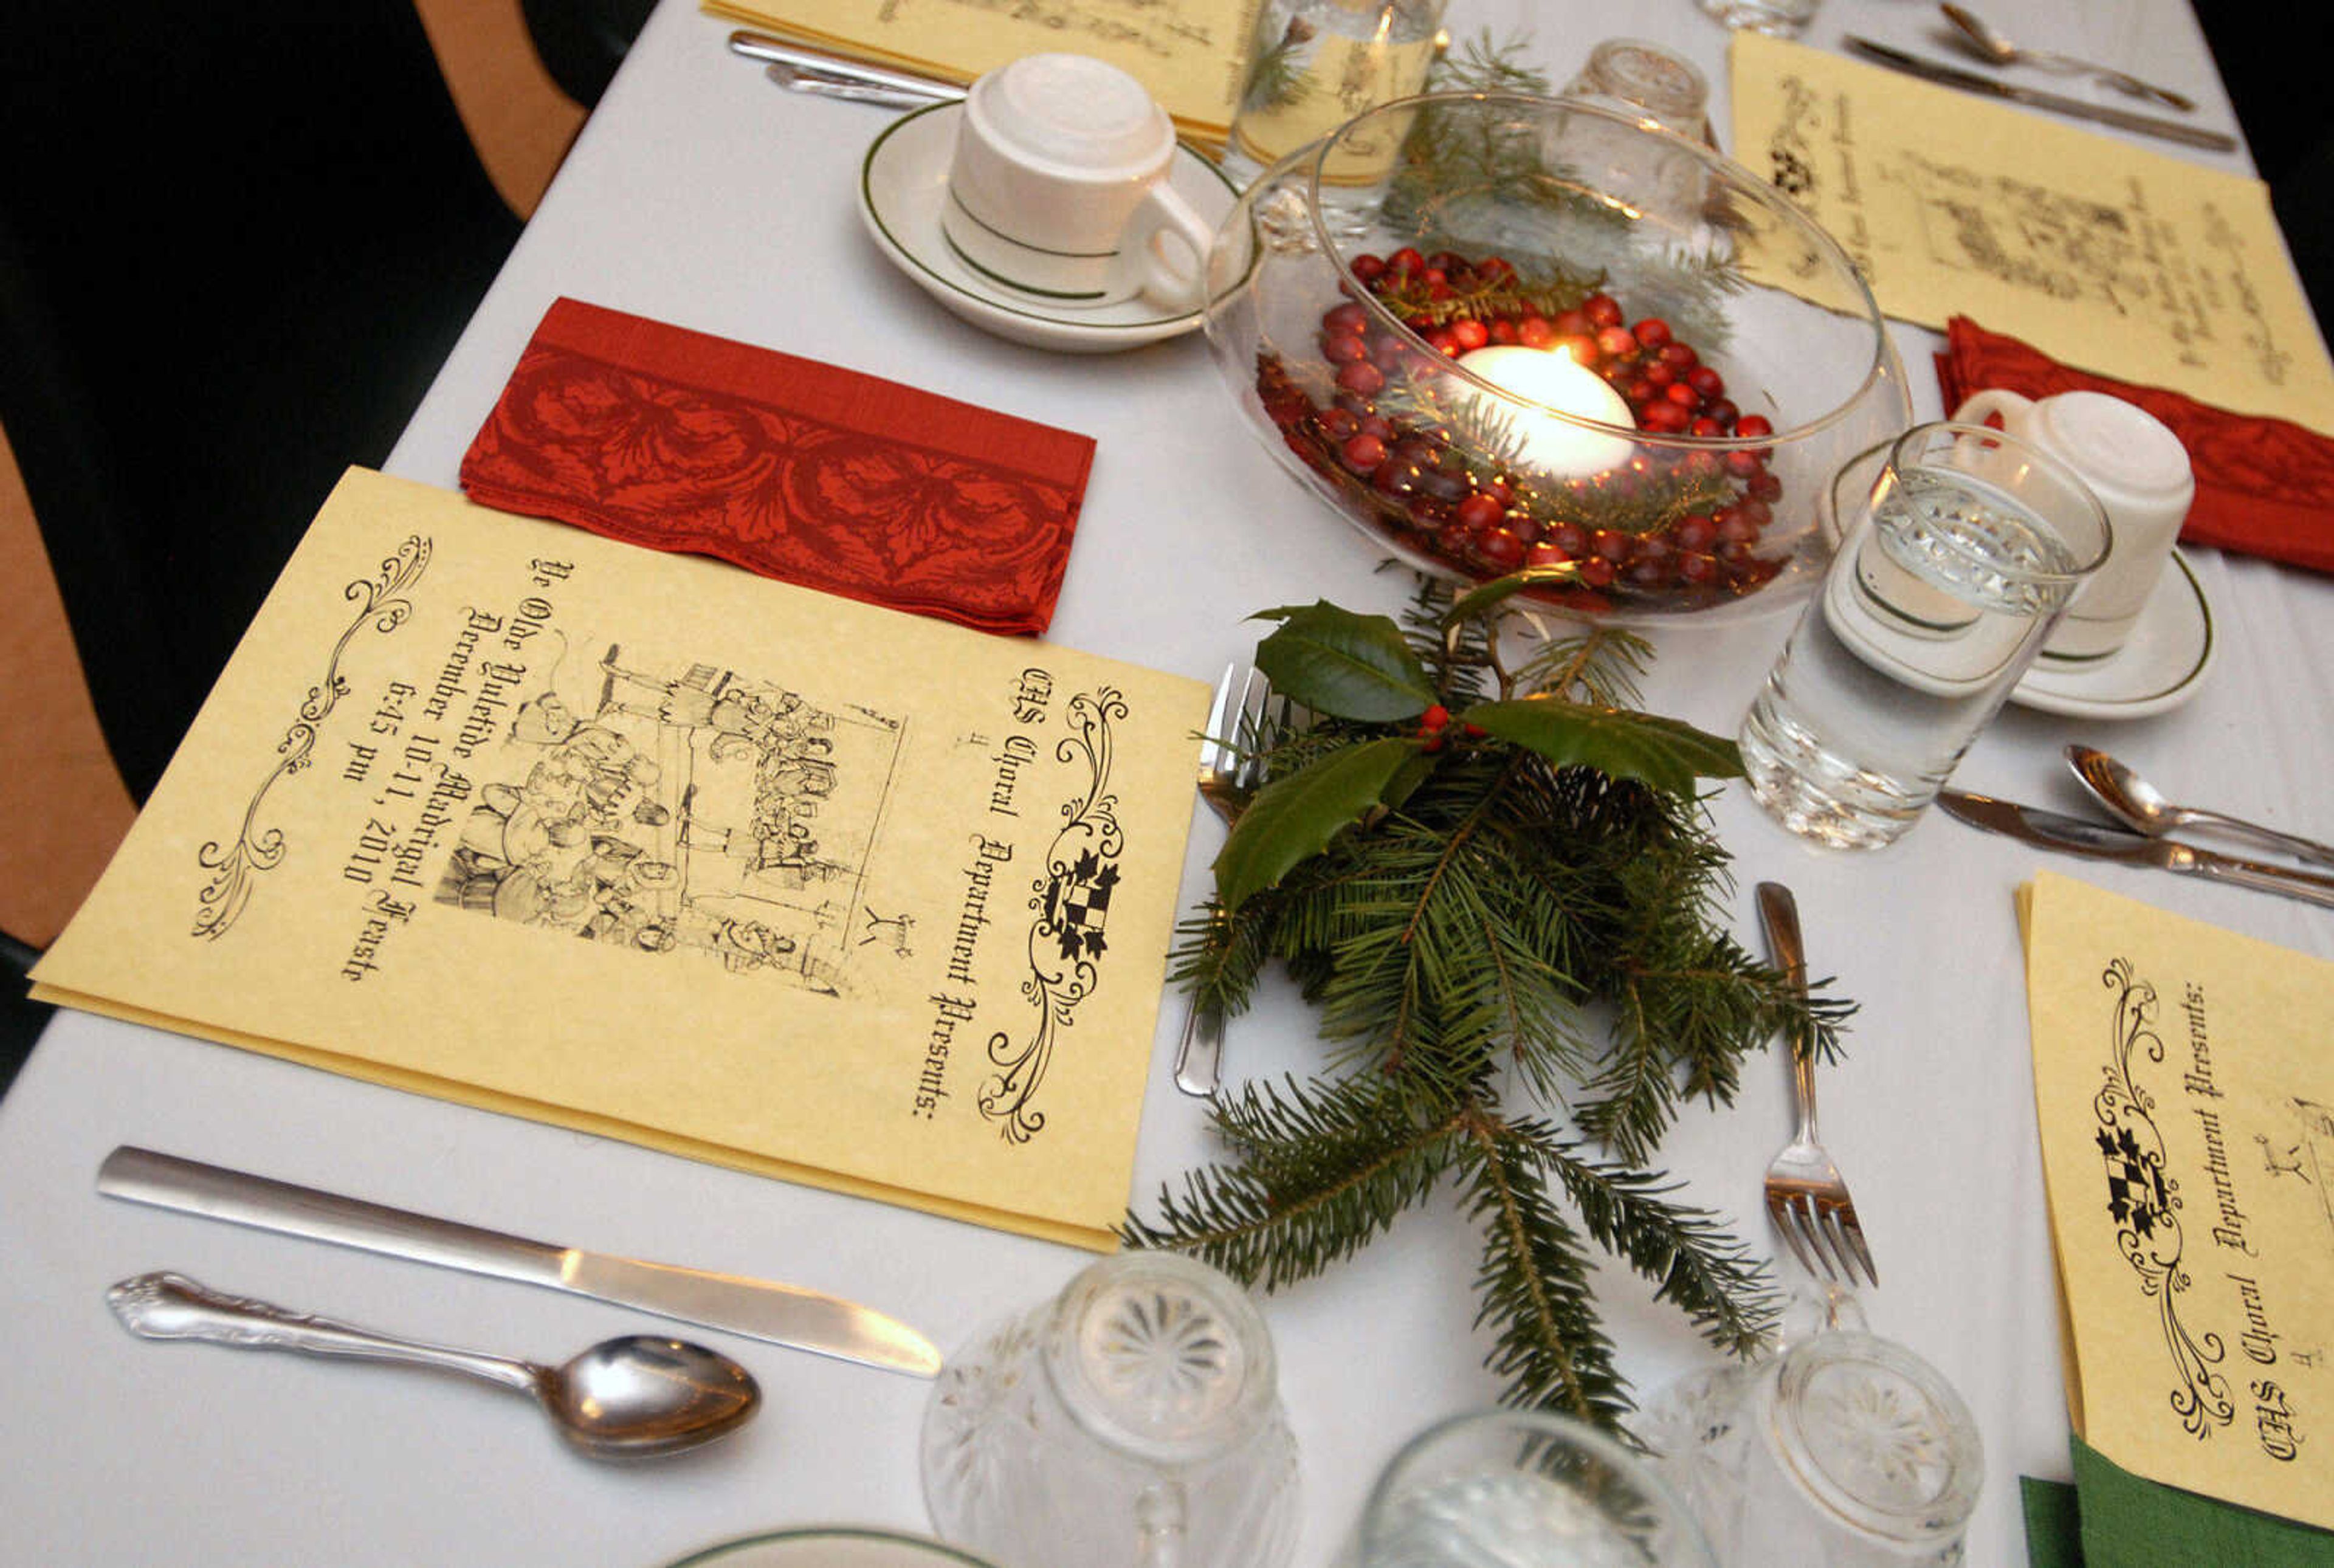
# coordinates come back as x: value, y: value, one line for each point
x: 1314, y: 64
x: 1135, y: 1421
x: 1947, y: 579
x: 1778, y: 18
x: 1648, y: 81
x: 1844, y: 1450
x: 1522, y: 1489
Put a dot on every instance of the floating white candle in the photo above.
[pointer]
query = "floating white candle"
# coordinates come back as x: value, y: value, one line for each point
x: 1552, y: 379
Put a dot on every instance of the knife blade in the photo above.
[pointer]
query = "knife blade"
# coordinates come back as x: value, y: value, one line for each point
x: 783, y: 1315
x: 818, y: 64
x: 2052, y: 829
x: 2104, y: 114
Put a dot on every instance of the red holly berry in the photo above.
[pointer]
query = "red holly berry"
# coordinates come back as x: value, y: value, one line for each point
x: 1435, y: 717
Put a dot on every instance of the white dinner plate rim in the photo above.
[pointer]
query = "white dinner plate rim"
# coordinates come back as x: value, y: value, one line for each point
x: 894, y: 231
x: 726, y: 1554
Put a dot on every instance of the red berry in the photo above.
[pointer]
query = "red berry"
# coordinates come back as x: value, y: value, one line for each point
x: 1406, y: 260
x: 1684, y: 396
x: 1659, y: 375
x: 1666, y: 417
x: 1705, y: 426
x: 1597, y: 571
x: 1364, y: 378
x: 1721, y: 409
x: 1501, y: 548
x: 1443, y: 341
x: 1547, y: 553
x: 1694, y: 531
x: 1502, y: 330
x: 1362, y: 453
x: 1742, y: 465
x: 1615, y: 342
x: 1706, y: 381
x: 1338, y: 423
x: 1602, y: 310
x: 1764, y: 486
x: 1366, y: 267
x: 1571, y: 538
x: 1734, y: 528
x: 1581, y: 347
x: 1343, y: 348
x: 1653, y: 332
x: 1534, y: 333
x: 1348, y: 317
x: 1612, y: 544
x: 1479, y: 510
x: 1436, y: 716
x: 1575, y: 323
x: 1754, y: 426
x: 1696, y: 568
x: 1471, y: 333
x: 1680, y: 357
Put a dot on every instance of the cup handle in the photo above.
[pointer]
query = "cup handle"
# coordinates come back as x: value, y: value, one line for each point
x: 1976, y: 408
x: 1172, y: 241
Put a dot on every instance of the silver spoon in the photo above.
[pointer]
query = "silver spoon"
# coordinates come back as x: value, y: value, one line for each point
x: 623, y: 1398
x: 2141, y: 805
x: 1989, y: 41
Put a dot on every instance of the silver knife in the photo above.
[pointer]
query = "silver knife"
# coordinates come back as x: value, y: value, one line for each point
x: 819, y: 84
x: 1970, y: 80
x: 759, y: 1309
x: 817, y: 63
x: 2079, y: 836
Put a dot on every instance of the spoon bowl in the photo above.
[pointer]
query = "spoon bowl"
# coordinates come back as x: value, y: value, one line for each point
x: 639, y: 1396
x: 636, y: 1397
x: 1991, y: 43
x: 2143, y: 807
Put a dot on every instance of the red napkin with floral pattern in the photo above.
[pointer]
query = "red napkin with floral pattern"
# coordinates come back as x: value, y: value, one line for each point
x: 786, y: 467
x: 2264, y: 487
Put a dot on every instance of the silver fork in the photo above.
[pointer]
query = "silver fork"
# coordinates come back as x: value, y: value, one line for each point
x: 1806, y: 1200
x: 1231, y: 768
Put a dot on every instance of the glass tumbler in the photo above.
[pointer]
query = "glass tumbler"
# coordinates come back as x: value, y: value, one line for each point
x: 1314, y: 64
x: 1135, y: 1421
x: 1949, y: 576
x: 1846, y: 1451
x: 1648, y: 81
x: 1522, y: 1489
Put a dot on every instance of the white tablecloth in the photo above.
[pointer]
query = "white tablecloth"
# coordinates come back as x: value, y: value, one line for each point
x: 701, y: 195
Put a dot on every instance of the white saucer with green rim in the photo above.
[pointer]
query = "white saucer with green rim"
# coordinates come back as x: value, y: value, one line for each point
x: 830, y: 1548
x: 2161, y: 665
x: 902, y: 185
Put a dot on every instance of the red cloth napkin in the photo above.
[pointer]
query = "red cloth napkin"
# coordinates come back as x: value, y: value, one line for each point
x: 2264, y: 487
x: 791, y: 468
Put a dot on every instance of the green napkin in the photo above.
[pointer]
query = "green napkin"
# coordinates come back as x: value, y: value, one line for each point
x: 2111, y: 1518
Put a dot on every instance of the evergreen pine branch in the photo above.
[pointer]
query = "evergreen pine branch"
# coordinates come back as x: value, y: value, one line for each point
x: 1693, y: 1262
x: 1324, y: 1168
x: 1533, y: 1286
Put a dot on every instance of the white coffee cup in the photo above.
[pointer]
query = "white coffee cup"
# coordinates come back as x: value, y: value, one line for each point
x: 1059, y: 188
x: 2141, y: 475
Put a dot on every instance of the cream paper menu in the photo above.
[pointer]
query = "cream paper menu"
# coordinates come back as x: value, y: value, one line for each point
x: 2185, y: 1088
x: 493, y: 809
x: 2128, y: 263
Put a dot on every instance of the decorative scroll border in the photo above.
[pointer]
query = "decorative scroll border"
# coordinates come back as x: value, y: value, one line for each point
x: 384, y: 607
x: 1062, y: 970
x: 2147, y: 1233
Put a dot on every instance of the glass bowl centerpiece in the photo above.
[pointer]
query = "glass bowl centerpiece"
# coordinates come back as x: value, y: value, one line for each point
x: 1496, y: 332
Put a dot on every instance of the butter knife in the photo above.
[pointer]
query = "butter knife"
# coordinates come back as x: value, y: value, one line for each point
x: 2104, y: 114
x: 2052, y: 829
x: 816, y: 70
x: 759, y: 1309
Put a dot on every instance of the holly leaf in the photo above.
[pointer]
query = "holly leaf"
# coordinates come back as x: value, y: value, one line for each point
x: 1344, y: 665
x: 1492, y: 592
x: 1293, y: 819
x: 1664, y: 753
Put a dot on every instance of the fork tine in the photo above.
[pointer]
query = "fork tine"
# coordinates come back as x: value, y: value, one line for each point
x: 1841, y: 1258
x: 1851, y: 1245
x: 1213, y: 744
x: 1784, y: 1216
